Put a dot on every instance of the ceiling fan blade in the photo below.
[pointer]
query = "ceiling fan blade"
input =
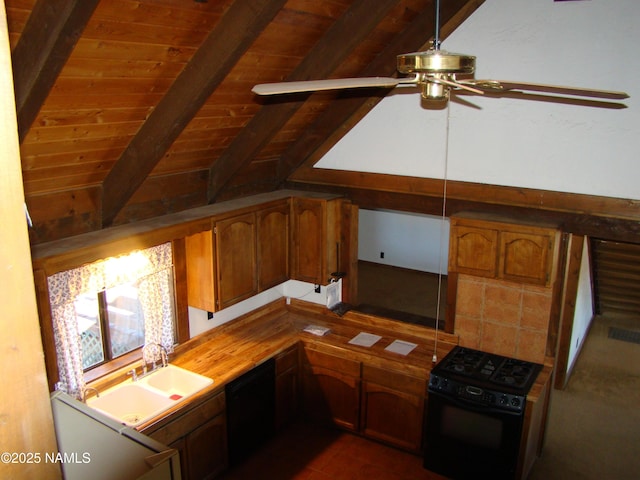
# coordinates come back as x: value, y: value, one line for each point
x: 557, y: 99
x: 498, y: 86
x: 331, y: 84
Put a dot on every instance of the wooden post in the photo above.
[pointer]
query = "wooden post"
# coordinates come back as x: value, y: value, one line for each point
x: 26, y: 430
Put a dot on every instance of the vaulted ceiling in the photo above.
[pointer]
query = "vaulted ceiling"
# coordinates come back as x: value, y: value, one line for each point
x: 131, y: 109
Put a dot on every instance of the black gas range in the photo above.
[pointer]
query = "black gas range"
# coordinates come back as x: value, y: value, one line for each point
x: 475, y: 413
x: 484, y: 378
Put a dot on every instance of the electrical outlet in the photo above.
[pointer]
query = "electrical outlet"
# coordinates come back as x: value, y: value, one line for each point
x: 381, y: 254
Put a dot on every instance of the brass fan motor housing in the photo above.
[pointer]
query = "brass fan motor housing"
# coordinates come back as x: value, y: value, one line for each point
x: 436, y: 61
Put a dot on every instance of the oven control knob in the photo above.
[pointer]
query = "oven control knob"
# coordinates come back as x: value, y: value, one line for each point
x: 504, y: 400
x: 515, y: 401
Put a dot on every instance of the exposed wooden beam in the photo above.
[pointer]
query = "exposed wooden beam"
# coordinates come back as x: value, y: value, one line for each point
x: 594, y: 216
x: 241, y: 25
x: 49, y: 36
x: 336, y: 44
x: 343, y: 115
x: 569, y: 294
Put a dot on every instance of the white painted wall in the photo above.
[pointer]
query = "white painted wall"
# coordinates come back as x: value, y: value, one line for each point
x: 200, y: 323
x: 408, y: 240
x: 515, y: 142
x: 588, y: 43
x: 584, y: 308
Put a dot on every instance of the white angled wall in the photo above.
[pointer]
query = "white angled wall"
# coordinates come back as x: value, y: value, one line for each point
x: 515, y: 142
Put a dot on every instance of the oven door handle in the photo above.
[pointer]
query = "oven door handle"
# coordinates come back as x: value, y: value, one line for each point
x: 473, y: 406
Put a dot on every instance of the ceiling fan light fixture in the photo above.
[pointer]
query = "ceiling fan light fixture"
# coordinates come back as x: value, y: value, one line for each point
x: 434, y: 91
x: 436, y: 61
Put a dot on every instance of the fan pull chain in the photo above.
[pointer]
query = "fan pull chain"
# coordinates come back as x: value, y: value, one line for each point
x: 442, y: 232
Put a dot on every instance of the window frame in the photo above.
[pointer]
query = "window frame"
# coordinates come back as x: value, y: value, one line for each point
x: 43, y: 269
x: 105, y: 329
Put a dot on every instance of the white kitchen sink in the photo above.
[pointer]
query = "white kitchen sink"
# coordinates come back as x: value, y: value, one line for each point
x: 176, y: 382
x: 133, y: 403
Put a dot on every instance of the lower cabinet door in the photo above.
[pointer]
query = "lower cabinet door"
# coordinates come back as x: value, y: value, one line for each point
x: 392, y: 417
x: 206, y: 450
x: 328, y: 395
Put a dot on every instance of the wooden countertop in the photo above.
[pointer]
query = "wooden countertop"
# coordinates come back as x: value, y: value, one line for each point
x: 228, y: 351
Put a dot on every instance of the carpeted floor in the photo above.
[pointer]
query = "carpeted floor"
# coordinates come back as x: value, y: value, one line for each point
x: 594, y: 424
x: 401, y: 293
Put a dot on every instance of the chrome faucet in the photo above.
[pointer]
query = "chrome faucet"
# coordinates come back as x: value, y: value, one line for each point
x: 164, y: 356
x: 85, y: 390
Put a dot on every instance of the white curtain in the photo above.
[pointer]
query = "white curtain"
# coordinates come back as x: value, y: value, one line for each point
x: 152, y: 268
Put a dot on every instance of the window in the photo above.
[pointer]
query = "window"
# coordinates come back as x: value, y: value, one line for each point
x: 103, y: 310
x: 110, y: 324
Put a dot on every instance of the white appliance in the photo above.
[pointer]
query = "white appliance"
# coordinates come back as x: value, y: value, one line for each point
x: 94, y: 446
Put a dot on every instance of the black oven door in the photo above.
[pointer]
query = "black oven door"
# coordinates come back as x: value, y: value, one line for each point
x: 463, y: 440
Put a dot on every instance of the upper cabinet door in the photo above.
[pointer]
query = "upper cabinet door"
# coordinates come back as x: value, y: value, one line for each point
x: 236, y: 259
x: 309, y: 240
x: 273, y: 246
x: 516, y: 252
x: 200, y: 272
x: 473, y: 251
x: 525, y: 257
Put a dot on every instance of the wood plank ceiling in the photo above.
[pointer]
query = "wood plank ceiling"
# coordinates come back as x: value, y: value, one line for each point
x: 129, y: 110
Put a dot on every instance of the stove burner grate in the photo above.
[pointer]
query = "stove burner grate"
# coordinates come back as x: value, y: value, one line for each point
x: 491, y: 368
x: 513, y: 372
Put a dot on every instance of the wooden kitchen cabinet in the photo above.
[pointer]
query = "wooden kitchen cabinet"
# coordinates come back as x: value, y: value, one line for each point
x: 526, y: 256
x: 392, y: 408
x: 287, y: 373
x: 505, y: 249
x: 200, y: 271
x: 221, y: 263
x: 473, y: 250
x: 205, y: 448
x: 200, y: 435
x: 239, y: 257
x: 378, y: 402
x: 330, y: 389
x: 236, y: 259
x: 273, y: 245
x: 315, y: 239
x: 253, y: 251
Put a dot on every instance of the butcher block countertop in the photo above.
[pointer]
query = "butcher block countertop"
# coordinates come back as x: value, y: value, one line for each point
x: 228, y: 351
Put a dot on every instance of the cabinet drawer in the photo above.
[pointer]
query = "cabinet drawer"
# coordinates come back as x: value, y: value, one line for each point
x: 339, y: 364
x: 287, y: 360
x: 189, y: 420
x: 394, y: 380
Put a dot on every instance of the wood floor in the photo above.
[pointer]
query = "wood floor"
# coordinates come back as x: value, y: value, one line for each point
x: 306, y: 451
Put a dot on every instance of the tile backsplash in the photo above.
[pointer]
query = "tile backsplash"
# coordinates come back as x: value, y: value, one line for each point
x: 506, y: 318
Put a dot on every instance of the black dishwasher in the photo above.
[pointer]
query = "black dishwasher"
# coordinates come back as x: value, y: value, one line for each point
x: 250, y: 410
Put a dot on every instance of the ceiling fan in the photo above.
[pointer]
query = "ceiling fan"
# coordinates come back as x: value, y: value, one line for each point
x: 438, y: 73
